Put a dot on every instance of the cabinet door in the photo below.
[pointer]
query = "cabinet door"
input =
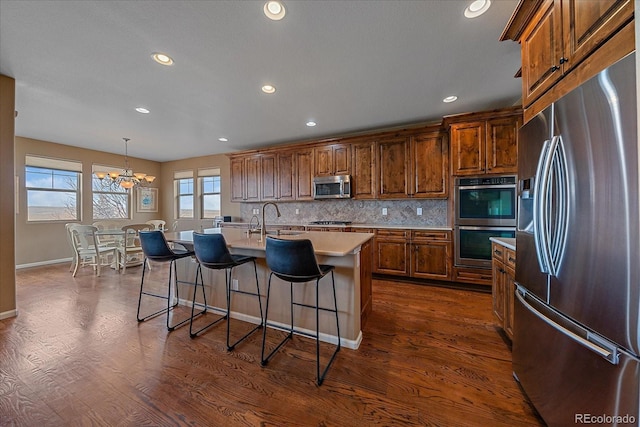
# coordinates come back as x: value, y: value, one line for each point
x: 304, y: 175
x: 392, y: 254
x: 363, y: 185
x: 509, y: 300
x: 468, y: 148
x: 323, y: 160
x: 333, y: 159
x: 502, y: 145
x: 252, y: 177
x: 497, y: 291
x: 431, y: 260
x: 587, y: 24
x: 237, y: 179
x: 393, y: 160
x: 286, y: 176
x: 541, y: 51
x: 430, y: 166
x: 269, y: 170
x: 342, y: 159
x: 366, y: 300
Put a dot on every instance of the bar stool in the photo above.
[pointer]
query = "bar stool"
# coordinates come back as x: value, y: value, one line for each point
x: 294, y: 261
x: 211, y: 252
x: 155, y: 248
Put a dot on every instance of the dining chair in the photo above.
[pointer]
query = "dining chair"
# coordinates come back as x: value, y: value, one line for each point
x: 294, y: 261
x: 74, y: 258
x: 155, y: 248
x: 157, y: 224
x: 130, y: 250
x: 88, y: 250
x: 212, y: 253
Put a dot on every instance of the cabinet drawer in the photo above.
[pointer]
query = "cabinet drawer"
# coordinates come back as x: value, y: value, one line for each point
x: 431, y: 235
x: 393, y: 233
x: 498, y: 252
x: 510, y: 258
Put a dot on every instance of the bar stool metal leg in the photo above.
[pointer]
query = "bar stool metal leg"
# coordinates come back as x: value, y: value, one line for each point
x: 229, y: 292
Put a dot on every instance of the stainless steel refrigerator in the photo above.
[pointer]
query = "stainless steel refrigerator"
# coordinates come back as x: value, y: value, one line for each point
x: 576, y: 342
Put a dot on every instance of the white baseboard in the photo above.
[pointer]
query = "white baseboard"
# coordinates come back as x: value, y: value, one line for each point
x: 41, y: 263
x: 8, y: 314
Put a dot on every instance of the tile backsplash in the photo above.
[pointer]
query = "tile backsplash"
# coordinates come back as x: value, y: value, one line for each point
x: 398, y: 212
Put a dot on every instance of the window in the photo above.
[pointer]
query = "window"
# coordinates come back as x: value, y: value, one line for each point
x: 210, y: 192
x: 53, y: 189
x: 184, y: 194
x: 110, y: 201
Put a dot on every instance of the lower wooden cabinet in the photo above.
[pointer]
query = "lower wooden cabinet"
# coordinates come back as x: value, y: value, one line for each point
x: 391, y: 254
x: 431, y: 254
x: 503, y: 287
x: 423, y: 254
x: 476, y: 276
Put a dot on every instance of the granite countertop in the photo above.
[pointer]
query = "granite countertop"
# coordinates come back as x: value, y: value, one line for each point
x: 352, y: 225
x: 507, y: 242
x: 330, y: 243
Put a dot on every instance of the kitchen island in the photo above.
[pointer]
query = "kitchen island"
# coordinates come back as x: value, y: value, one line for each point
x: 350, y: 253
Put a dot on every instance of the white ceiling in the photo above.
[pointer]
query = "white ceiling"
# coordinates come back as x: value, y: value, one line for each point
x: 81, y: 67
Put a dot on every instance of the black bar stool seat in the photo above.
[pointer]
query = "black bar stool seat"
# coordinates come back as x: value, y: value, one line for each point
x: 155, y: 248
x: 294, y: 261
x: 212, y: 252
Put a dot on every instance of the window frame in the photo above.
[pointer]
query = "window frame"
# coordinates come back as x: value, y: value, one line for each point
x: 52, y: 189
x: 111, y: 184
x: 179, y: 195
x: 204, y: 194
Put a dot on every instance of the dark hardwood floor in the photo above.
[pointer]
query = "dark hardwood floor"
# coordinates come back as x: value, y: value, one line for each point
x: 75, y: 355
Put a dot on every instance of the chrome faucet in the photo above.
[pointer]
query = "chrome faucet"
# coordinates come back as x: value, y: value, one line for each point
x: 257, y: 226
x: 263, y: 229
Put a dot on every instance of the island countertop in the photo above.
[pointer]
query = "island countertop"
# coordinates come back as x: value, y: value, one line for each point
x: 329, y: 243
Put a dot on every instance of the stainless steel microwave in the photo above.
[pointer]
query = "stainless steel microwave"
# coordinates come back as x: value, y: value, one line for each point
x: 332, y: 187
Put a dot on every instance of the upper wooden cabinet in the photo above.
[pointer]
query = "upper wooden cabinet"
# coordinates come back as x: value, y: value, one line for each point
x: 278, y: 176
x: 245, y: 179
x: 393, y: 167
x: 304, y: 174
x: 413, y: 166
x: 332, y: 159
x: 429, y: 154
x: 556, y: 36
x: 482, y: 144
x: 363, y: 184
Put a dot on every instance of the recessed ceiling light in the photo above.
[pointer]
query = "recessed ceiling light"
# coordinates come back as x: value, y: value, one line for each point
x: 274, y: 10
x: 142, y: 110
x: 450, y: 98
x: 311, y: 123
x: 223, y: 139
x: 268, y: 89
x: 477, y: 8
x: 162, y: 58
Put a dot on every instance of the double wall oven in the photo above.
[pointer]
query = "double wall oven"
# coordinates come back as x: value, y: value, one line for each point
x: 485, y: 207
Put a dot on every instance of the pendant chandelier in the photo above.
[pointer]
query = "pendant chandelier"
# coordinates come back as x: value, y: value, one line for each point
x: 127, y: 178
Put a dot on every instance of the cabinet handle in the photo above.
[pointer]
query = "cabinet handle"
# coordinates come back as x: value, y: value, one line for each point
x: 512, y: 259
x: 497, y: 252
x: 554, y: 68
x: 563, y: 60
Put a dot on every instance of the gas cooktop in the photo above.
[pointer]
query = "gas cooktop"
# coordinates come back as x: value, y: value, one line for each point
x: 330, y: 222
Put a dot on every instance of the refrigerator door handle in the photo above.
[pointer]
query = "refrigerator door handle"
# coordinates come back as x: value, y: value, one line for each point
x: 539, y: 207
x: 558, y: 232
x: 591, y: 341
